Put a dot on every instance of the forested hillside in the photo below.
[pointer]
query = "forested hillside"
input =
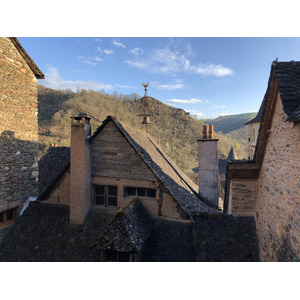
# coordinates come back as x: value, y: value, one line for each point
x: 226, y: 124
x: 177, y: 131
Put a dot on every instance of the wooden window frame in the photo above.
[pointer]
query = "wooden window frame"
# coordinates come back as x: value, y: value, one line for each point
x: 5, y: 215
x: 125, y: 192
x: 106, y: 194
x: 104, y: 256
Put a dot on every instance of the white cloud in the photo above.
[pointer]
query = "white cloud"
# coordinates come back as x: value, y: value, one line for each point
x: 55, y: 81
x: 169, y: 61
x: 137, y: 51
x: 97, y: 40
x: 177, y: 84
x: 105, y: 51
x: 137, y: 64
x: 90, y: 60
x: 118, y: 44
x: 199, y: 114
x: 183, y: 101
x: 218, y: 106
x: 122, y: 86
x: 216, y: 70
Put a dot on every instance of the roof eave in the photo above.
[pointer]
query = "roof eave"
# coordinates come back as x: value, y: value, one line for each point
x: 31, y: 64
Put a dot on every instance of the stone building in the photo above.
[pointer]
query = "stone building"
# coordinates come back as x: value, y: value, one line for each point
x: 116, y: 196
x: 268, y: 187
x: 18, y: 128
x: 252, y: 128
x: 113, y: 166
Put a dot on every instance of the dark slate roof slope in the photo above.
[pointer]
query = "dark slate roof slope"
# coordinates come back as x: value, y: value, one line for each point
x: 43, y: 233
x: 288, y: 78
x: 52, y: 166
x: 128, y: 231
x: 225, y: 238
x: 179, y: 185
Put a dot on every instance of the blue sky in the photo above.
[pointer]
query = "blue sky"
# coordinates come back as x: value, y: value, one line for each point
x: 205, y: 76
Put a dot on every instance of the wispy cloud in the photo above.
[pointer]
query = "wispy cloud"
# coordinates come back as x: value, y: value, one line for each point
x: 97, y: 40
x: 90, y: 60
x: 136, y: 51
x: 55, y: 81
x: 176, y: 85
x: 199, y: 114
x: 118, y: 43
x: 216, y: 70
x: 137, y: 64
x: 123, y: 86
x: 105, y: 51
x: 183, y: 101
x: 216, y: 106
x: 170, y: 61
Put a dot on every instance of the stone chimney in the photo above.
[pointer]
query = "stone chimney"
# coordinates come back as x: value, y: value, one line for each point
x: 208, y: 166
x: 80, y: 169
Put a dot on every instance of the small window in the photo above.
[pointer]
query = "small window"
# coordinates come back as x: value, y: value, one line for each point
x: 140, y: 192
x: 10, y: 214
x: 117, y: 256
x: 106, y: 195
x: 7, y: 217
x: 131, y: 191
x: 150, y: 192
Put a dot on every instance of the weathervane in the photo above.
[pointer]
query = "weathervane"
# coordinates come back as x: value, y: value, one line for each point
x: 145, y: 110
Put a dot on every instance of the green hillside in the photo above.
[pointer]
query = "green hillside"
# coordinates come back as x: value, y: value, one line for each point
x: 176, y: 130
x: 225, y: 124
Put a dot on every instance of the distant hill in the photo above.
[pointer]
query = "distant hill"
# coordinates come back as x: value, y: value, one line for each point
x: 225, y: 124
x: 175, y: 129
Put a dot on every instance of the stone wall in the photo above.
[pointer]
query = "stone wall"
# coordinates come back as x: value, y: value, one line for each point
x: 18, y: 128
x: 242, y: 197
x: 61, y: 193
x: 251, y: 136
x: 278, y: 202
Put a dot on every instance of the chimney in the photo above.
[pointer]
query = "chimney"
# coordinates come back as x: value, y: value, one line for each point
x: 208, y: 166
x: 80, y: 169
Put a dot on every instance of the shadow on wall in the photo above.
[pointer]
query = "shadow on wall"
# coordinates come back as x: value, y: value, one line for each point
x: 18, y: 170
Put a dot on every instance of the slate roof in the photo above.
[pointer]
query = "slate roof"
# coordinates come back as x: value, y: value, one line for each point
x: 178, y: 184
x: 288, y: 78
x: 295, y: 116
x: 128, y: 231
x: 32, y: 65
x: 43, y: 233
x: 52, y: 166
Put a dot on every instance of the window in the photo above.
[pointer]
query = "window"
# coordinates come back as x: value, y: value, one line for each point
x: 140, y: 192
x: 7, y: 217
x: 106, y: 195
x: 118, y: 256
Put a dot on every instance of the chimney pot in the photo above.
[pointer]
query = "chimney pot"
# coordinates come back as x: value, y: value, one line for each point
x: 211, y: 132
x: 204, y: 132
x: 81, y: 119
